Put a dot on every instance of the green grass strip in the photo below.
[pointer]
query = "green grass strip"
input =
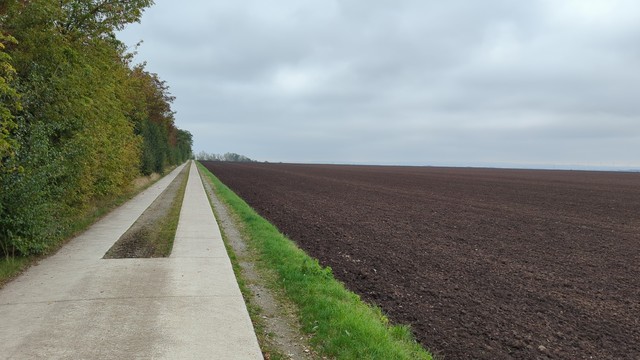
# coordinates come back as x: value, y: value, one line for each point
x: 10, y: 267
x: 167, y: 226
x: 343, y: 326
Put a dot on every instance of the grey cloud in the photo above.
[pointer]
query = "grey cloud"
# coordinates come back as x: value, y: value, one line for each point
x: 458, y: 82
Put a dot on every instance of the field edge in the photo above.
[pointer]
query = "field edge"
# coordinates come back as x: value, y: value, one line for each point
x: 340, y: 323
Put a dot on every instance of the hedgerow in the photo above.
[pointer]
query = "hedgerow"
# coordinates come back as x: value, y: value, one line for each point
x: 78, y: 121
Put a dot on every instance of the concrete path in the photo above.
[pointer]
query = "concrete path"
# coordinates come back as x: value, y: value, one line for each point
x: 75, y: 305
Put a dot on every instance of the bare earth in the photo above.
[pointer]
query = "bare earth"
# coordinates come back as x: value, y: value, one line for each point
x: 137, y: 241
x: 483, y: 263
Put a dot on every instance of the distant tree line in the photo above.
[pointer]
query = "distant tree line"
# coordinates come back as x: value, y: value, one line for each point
x: 204, y: 156
x: 78, y: 122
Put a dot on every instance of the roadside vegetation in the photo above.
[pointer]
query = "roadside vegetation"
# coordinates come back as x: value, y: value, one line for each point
x: 165, y: 233
x: 273, y: 316
x: 12, y: 266
x: 340, y: 323
x: 78, y: 121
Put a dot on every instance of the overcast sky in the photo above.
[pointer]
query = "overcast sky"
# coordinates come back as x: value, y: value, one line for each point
x: 457, y: 82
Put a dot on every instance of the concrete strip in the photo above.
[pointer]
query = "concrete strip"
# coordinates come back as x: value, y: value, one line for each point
x: 226, y: 331
x: 75, y: 305
x: 98, y: 239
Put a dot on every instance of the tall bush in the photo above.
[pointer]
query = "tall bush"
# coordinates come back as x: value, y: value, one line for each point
x: 75, y: 126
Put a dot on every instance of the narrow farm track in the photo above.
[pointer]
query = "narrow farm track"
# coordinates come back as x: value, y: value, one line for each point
x: 484, y: 264
x: 77, y: 305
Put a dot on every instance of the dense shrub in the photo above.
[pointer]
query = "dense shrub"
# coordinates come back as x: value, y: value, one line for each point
x: 78, y: 122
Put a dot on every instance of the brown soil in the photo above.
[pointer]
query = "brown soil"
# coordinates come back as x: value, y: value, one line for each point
x: 483, y: 263
x: 141, y: 239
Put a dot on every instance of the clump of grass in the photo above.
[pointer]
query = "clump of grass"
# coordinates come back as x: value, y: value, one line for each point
x: 342, y: 325
x: 10, y: 267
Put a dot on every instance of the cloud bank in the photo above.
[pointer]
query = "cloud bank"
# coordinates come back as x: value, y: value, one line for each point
x: 538, y: 83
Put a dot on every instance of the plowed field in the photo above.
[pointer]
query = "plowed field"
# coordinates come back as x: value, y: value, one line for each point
x: 483, y: 263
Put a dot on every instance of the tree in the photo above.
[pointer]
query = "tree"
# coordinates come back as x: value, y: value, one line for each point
x: 100, y: 17
x: 77, y: 122
x: 230, y: 157
x: 72, y: 131
x: 155, y: 121
x: 8, y: 106
x: 184, y: 146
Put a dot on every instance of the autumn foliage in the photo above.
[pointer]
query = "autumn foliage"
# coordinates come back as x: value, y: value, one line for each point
x: 78, y: 122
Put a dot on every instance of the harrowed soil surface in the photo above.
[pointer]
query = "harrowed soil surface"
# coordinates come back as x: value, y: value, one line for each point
x: 482, y: 263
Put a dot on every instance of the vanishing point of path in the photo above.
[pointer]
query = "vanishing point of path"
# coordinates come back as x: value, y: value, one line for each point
x: 76, y: 305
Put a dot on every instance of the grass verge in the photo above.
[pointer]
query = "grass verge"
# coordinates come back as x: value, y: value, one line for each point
x: 341, y: 324
x: 240, y: 261
x: 255, y: 313
x: 11, y: 267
